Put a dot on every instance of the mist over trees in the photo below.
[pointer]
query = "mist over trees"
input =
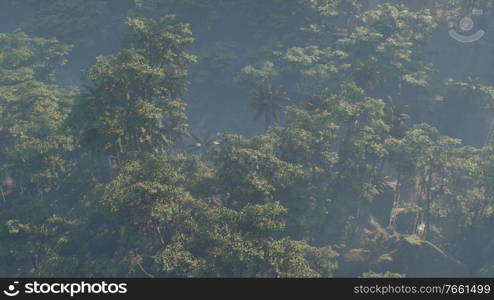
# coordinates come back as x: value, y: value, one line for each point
x: 245, y: 138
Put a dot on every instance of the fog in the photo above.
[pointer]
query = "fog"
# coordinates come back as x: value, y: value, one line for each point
x: 177, y: 138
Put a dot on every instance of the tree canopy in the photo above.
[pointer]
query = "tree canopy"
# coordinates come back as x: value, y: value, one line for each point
x: 300, y: 138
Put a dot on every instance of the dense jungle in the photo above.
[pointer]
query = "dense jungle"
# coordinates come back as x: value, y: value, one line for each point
x: 246, y: 138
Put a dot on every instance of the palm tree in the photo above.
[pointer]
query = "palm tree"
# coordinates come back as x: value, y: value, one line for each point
x: 396, y: 117
x: 268, y: 103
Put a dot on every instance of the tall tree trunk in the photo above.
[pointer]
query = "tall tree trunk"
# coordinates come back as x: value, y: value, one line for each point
x: 396, y: 198
x: 428, y: 204
x: 489, y: 133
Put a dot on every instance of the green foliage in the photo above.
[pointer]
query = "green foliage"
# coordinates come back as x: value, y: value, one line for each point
x: 170, y: 233
x: 133, y: 102
x: 33, y: 112
x: 35, y: 151
x: 268, y: 102
x: 366, y: 134
x: 25, y: 58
